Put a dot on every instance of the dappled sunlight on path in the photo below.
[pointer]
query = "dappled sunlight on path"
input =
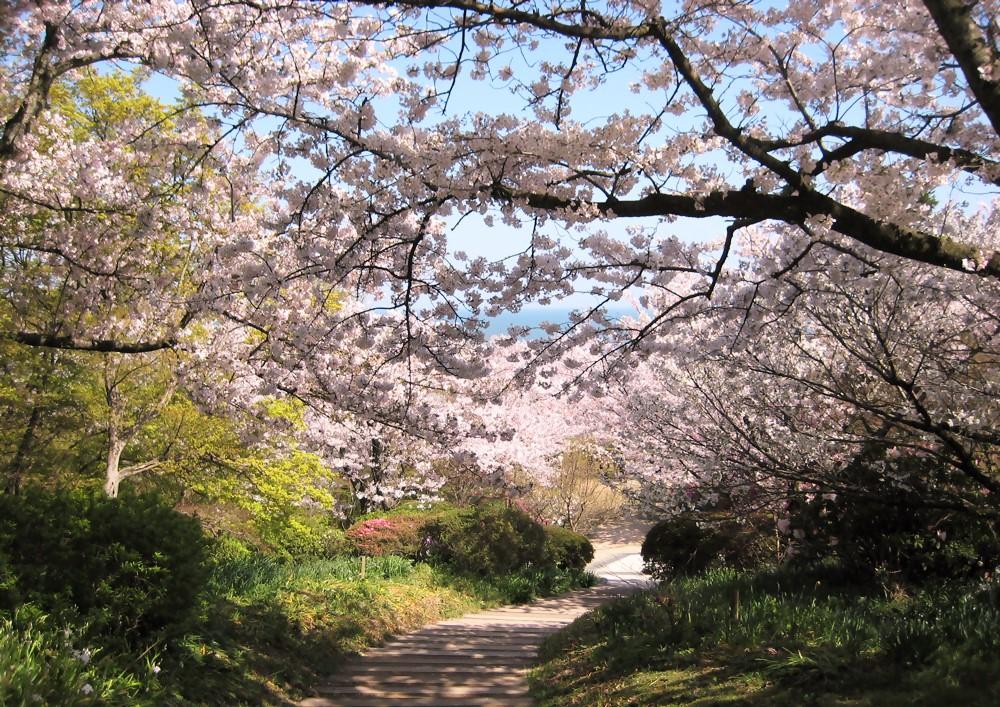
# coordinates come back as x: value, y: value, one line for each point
x: 481, y: 658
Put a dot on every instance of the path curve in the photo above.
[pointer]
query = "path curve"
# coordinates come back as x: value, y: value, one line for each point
x: 481, y: 658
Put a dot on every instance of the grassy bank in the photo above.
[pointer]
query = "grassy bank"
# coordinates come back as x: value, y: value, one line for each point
x: 125, y: 601
x: 266, y: 631
x: 779, y: 638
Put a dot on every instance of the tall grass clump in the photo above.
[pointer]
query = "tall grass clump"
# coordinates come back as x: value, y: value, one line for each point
x: 261, y: 575
x: 42, y: 664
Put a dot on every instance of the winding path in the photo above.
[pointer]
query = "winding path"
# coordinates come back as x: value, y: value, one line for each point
x: 482, y: 658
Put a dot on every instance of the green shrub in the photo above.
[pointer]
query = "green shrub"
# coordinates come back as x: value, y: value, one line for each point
x: 226, y: 547
x: 902, y: 534
x: 488, y: 540
x: 300, y: 533
x: 566, y: 549
x: 337, y: 544
x: 684, y: 545
x: 676, y: 546
x: 398, y: 535
x: 412, y: 509
x: 127, y: 567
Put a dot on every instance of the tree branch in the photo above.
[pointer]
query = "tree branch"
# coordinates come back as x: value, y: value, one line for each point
x: 76, y: 343
x: 974, y: 54
x: 792, y: 209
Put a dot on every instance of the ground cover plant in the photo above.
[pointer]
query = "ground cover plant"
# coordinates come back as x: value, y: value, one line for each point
x: 782, y: 637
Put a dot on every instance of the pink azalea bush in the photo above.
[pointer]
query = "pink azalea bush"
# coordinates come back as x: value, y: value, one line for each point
x: 401, y: 535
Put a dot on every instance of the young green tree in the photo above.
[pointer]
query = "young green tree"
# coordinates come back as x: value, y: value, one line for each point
x: 45, y: 286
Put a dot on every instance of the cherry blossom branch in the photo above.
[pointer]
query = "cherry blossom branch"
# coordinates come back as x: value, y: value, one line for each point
x: 792, y: 209
x: 978, y: 58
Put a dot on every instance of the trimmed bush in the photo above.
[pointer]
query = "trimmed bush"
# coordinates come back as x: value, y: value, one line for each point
x: 566, y: 549
x: 489, y: 540
x: 683, y: 545
x: 127, y: 567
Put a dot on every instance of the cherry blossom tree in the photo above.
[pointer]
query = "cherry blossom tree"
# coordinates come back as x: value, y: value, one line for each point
x: 875, y: 361
x: 814, y: 112
x: 320, y: 157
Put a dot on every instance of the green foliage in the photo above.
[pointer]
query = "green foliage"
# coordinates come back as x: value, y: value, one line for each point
x: 293, y: 532
x: 227, y: 548
x: 678, y: 546
x: 43, y: 415
x: 128, y: 567
x: 413, y: 509
x: 336, y: 543
x: 98, y: 104
x: 566, y: 549
x: 903, y: 536
x: 783, y: 637
x: 529, y: 584
x: 259, y: 575
x: 490, y: 540
x: 286, y: 497
x: 684, y: 545
x: 39, y: 665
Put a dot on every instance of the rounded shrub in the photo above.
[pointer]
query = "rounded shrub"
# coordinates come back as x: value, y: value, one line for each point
x: 676, y: 546
x: 566, y: 549
x: 226, y: 548
x: 300, y: 533
x: 336, y: 543
x: 685, y: 545
x: 488, y: 540
x: 128, y: 567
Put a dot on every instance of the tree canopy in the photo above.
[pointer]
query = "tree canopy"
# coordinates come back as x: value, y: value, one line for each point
x: 285, y: 223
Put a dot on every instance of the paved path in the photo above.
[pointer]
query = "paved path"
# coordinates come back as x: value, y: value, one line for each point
x: 483, y: 658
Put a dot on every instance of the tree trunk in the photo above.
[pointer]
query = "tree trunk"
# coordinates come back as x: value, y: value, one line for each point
x: 112, y: 473
x: 15, y: 471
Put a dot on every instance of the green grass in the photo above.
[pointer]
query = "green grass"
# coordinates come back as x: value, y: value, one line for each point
x: 788, y: 639
x: 273, y: 629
